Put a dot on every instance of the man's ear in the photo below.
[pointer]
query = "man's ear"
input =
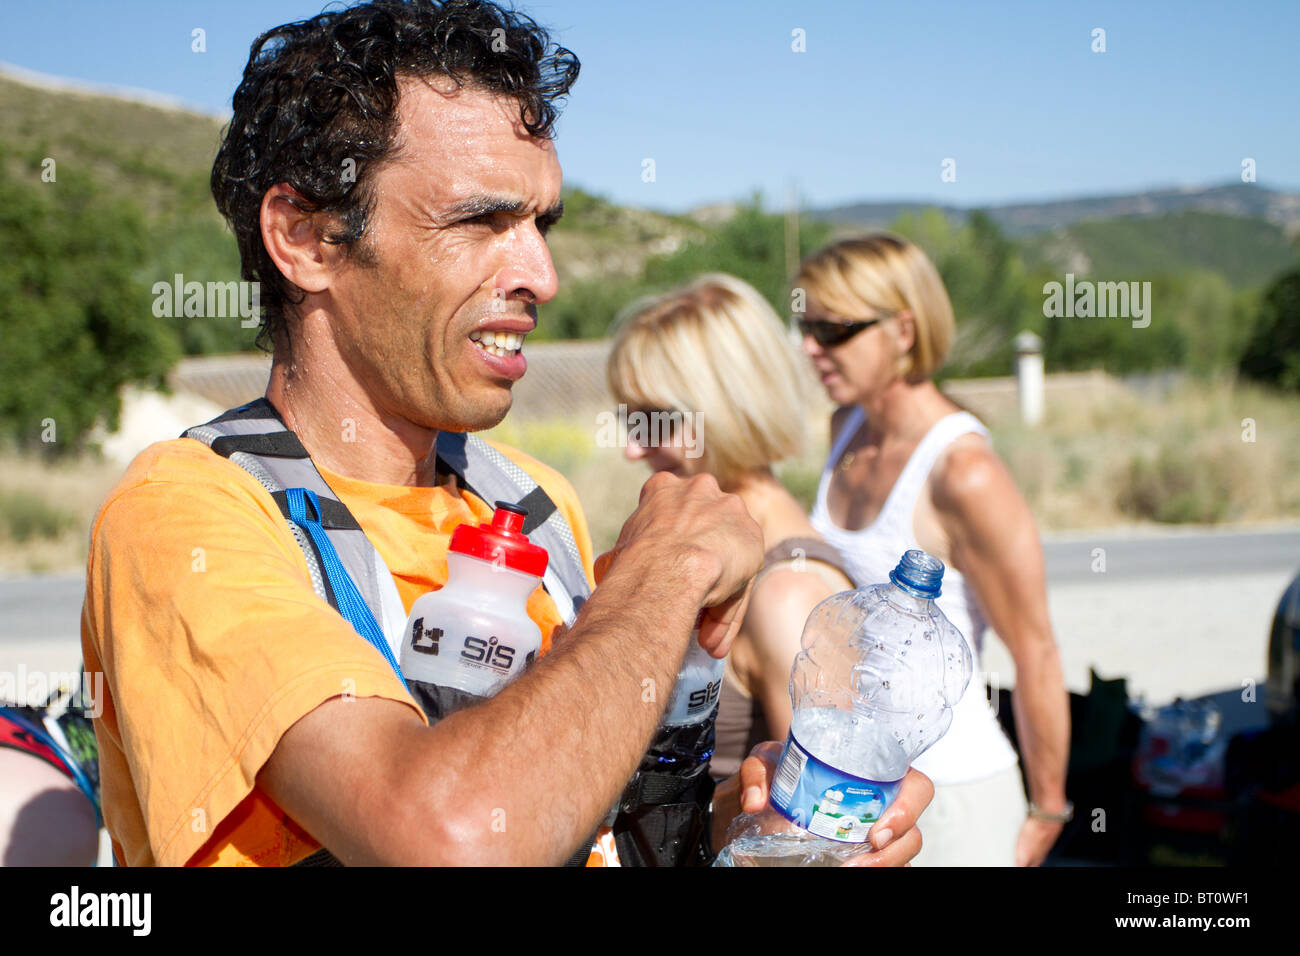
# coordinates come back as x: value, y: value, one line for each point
x: 293, y: 239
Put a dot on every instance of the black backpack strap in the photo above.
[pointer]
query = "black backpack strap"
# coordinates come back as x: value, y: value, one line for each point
x: 670, y: 824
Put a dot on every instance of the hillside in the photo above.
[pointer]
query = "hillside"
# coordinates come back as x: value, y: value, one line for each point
x: 160, y: 157
x: 1242, y: 200
x: 1246, y: 252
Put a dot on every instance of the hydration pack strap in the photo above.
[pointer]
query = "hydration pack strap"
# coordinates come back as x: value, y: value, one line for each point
x: 485, y: 472
x: 350, y: 602
x: 346, y: 571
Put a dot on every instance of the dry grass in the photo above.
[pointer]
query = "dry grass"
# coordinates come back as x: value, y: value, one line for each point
x: 46, y: 509
x: 1181, y: 458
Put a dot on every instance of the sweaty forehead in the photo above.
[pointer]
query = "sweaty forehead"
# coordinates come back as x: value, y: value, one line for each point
x: 459, y: 141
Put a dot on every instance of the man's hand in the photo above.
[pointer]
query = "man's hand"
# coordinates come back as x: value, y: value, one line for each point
x: 690, y: 525
x: 894, y: 837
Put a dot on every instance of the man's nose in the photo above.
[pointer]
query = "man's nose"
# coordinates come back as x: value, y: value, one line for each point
x: 530, y: 272
x: 634, y: 452
x: 810, y: 346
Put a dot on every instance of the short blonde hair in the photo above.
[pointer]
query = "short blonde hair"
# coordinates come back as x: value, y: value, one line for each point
x: 717, y: 348
x: 868, y: 275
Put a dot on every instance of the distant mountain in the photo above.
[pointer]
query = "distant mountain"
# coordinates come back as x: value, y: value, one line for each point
x: 1244, y: 200
x: 1247, y: 252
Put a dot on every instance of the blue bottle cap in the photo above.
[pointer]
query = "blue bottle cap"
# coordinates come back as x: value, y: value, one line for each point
x: 918, y: 574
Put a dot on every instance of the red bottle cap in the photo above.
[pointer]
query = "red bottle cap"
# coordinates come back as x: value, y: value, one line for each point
x: 503, y: 542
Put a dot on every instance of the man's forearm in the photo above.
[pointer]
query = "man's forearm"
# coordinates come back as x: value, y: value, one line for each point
x: 597, y: 696
x: 1042, y: 711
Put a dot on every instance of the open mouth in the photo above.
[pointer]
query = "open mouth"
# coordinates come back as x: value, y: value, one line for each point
x: 500, y: 344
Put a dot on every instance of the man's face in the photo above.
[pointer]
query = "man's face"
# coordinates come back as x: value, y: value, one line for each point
x: 456, y: 255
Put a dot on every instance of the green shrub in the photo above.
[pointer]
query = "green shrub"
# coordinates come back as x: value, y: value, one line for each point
x: 24, y: 515
x: 1272, y: 355
x: 1178, y: 486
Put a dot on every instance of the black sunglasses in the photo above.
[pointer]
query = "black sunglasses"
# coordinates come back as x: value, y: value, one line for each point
x: 828, y: 334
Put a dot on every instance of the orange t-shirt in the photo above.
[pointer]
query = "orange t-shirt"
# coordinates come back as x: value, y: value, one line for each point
x: 200, y: 613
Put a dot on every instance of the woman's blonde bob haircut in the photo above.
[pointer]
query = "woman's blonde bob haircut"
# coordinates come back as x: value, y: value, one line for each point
x: 861, y: 277
x: 717, y: 349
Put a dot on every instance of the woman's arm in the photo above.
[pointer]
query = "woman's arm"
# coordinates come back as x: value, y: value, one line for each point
x: 994, y: 543
x: 773, y: 627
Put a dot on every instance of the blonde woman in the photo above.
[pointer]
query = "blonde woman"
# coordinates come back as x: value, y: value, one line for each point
x: 908, y: 469
x: 713, y: 360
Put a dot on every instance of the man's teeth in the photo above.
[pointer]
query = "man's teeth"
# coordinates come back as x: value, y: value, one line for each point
x: 500, y: 344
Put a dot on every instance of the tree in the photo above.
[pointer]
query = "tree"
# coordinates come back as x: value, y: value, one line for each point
x: 77, y: 325
x: 1272, y: 355
x: 750, y: 246
x: 986, y: 282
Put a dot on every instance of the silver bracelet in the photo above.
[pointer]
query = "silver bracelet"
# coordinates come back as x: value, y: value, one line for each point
x: 1065, y: 816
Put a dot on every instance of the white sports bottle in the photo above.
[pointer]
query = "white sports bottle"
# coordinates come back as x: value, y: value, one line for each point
x: 467, y: 640
x: 699, y: 682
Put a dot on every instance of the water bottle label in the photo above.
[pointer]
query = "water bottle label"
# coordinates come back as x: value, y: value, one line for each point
x: 825, y: 801
x: 456, y: 659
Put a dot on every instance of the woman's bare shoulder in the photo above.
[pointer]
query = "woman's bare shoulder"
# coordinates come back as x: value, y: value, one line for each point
x: 969, y: 475
x: 785, y: 596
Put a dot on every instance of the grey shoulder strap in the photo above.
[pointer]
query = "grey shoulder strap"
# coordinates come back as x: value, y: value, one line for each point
x: 255, y: 438
x: 492, y: 476
x: 814, y: 548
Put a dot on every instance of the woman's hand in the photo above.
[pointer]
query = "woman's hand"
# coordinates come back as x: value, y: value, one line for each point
x: 1036, y: 840
x: 894, y: 837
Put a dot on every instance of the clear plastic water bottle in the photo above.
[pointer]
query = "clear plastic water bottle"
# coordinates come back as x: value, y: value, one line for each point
x: 467, y: 640
x: 874, y: 686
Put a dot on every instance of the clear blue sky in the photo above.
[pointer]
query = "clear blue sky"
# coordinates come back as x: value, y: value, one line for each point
x: 885, y: 91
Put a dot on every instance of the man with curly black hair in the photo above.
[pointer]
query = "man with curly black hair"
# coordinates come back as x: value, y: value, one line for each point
x: 390, y: 176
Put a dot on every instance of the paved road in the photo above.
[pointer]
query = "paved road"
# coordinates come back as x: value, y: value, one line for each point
x: 1172, y: 554
x: 1177, y: 612
x: 41, y: 608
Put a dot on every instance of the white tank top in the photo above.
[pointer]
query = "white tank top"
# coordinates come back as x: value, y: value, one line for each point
x: 974, y: 746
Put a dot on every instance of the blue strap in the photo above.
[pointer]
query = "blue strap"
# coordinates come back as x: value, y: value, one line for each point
x: 351, y: 604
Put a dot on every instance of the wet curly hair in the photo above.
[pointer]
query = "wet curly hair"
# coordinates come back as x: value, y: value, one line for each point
x: 322, y: 92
